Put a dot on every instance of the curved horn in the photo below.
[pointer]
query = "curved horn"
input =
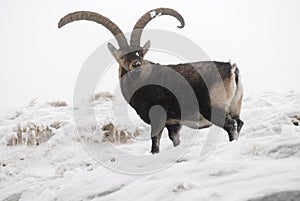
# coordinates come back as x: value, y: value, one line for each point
x: 147, y: 17
x: 95, y: 17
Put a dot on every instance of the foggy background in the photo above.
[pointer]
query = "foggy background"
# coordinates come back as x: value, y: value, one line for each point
x: 39, y: 60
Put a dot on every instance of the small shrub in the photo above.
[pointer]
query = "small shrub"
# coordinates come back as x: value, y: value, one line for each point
x: 15, y: 114
x: 32, y: 133
x: 102, y: 95
x: 114, y: 135
x: 33, y: 102
x: 58, y: 104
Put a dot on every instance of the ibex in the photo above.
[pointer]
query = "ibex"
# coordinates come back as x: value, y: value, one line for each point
x: 212, y: 107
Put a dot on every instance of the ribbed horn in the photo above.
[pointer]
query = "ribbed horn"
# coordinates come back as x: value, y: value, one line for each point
x: 147, y: 17
x: 95, y: 17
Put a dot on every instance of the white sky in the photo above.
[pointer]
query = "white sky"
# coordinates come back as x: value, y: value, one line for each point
x: 39, y: 60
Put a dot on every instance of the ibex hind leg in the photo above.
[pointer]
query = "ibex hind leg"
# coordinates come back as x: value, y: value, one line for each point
x: 240, y: 124
x: 225, y: 121
x: 235, y: 109
x: 173, y: 130
x: 231, y: 126
x: 235, y: 114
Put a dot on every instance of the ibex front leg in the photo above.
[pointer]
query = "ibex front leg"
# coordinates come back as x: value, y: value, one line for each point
x: 155, y: 142
x: 158, y: 118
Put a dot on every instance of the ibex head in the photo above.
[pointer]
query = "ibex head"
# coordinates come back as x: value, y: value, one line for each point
x: 130, y: 56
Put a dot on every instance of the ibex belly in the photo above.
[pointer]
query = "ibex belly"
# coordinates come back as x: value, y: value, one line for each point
x: 201, y: 123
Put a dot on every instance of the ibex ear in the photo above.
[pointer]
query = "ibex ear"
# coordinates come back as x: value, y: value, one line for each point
x: 112, y: 50
x: 146, y: 47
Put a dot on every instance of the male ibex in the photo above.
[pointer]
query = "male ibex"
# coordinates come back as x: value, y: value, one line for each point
x: 214, y: 107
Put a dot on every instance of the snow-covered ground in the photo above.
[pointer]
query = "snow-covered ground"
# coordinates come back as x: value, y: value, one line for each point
x: 44, y: 156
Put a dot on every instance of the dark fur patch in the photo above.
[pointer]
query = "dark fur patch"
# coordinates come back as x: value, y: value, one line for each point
x: 146, y: 97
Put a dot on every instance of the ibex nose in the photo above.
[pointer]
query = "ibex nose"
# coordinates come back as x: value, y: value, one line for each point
x: 137, y: 64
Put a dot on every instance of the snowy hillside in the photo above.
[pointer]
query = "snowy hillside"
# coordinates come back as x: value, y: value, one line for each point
x: 45, y: 156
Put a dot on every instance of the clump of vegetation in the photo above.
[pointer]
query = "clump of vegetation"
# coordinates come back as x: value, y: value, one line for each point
x: 102, y: 95
x: 33, y: 102
x: 15, y: 115
x: 32, y: 133
x: 114, y: 135
x: 58, y: 104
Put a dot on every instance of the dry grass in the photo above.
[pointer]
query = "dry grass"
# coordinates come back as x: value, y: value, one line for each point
x: 32, y: 133
x: 102, y: 95
x: 58, y: 104
x: 33, y: 102
x: 114, y: 135
x: 56, y: 125
x: 15, y: 115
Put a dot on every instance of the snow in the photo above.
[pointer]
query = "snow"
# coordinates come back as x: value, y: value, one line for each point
x: 77, y: 162
x: 153, y: 14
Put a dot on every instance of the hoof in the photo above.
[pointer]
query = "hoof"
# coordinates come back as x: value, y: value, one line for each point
x: 240, y: 124
x: 176, y: 142
x: 234, y: 135
x: 154, y: 150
